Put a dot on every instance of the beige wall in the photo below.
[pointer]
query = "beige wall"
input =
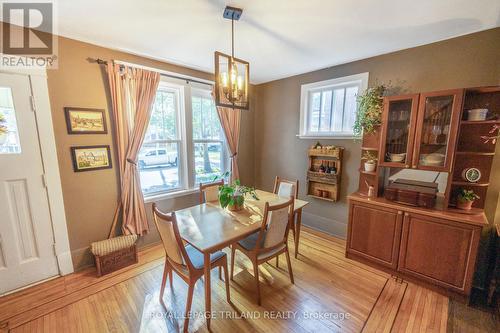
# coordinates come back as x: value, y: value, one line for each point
x: 90, y: 197
x: 467, y: 61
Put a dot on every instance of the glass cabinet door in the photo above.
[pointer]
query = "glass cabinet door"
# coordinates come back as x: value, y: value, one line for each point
x: 398, y: 123
x: 437, y: 127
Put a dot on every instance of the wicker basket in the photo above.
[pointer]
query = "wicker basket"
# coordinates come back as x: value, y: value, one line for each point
x: 115, y: 253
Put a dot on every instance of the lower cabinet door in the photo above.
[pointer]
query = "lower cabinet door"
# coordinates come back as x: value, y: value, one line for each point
x: 374, y: 233
x: 439, y: 251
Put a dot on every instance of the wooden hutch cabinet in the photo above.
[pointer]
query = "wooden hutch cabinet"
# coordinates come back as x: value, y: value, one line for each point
x: 428, y: 131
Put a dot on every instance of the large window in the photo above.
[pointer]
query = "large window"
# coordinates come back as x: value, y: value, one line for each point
x: 210, y: 153
x: 328, y: 108
x: 184, y: 144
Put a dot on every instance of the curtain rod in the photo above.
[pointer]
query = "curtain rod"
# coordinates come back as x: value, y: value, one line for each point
x: 104, y: 62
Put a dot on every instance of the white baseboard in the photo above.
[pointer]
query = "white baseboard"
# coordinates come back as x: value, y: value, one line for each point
x: 65, y: 262
x: 321, y: 223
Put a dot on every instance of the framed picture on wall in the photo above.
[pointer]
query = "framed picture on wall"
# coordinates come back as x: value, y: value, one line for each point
x: 88, y: 158
x: 85, y: 121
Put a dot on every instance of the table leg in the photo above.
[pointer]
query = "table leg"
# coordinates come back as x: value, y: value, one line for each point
x: 208, y: 296
x: 298, y: 223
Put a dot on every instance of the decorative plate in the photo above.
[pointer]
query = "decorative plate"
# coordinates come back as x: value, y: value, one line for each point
x: 472, y: 175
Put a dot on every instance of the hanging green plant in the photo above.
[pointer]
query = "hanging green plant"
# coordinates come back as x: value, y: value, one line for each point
x: 369, y: 114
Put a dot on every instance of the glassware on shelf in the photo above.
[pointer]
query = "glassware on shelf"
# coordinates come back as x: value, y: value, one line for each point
x: 436, y: 130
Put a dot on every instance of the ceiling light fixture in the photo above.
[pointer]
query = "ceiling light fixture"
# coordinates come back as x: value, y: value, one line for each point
x: 231, y: 74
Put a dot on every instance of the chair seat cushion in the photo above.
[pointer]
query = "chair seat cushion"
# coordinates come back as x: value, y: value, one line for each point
x: 107, y: 246
x: 196, y: 256
x: 249, y: 243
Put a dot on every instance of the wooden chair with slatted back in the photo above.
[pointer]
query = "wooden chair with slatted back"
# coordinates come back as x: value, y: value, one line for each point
x: 185, y: 260
x: 269, y: 242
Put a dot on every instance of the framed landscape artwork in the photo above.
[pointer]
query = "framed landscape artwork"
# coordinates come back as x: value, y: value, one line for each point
x: 85, y: 121
x: 88, y: 158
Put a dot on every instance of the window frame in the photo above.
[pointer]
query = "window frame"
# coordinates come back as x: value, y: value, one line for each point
x: 306, y: 90
x: 186, y: 167
x: 198, y: 92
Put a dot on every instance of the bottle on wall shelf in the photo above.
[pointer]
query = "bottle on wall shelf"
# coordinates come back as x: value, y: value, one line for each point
x: 334, y: 168
x: 322, y: 167
x: 328, y: 167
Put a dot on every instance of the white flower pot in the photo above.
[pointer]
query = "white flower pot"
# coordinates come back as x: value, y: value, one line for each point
x: 370, y: 167
x: 3, y: 138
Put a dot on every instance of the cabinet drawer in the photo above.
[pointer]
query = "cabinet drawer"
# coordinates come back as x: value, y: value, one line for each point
x: 439, y: 251
x: 374, y: 233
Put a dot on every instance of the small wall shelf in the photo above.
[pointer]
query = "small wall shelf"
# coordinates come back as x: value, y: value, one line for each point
x: 324, y: 185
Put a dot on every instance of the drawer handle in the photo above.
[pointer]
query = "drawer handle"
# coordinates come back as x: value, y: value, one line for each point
x: 407, y: 214
x: 400, y: 212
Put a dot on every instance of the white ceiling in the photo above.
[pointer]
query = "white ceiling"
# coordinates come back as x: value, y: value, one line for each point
x: 279, y: 38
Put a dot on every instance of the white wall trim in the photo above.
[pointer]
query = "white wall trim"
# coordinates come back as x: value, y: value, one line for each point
x: 326, y: 225
x: 40, y: 93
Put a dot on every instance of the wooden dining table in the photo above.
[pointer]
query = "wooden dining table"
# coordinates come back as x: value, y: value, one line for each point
x: 210, y: 228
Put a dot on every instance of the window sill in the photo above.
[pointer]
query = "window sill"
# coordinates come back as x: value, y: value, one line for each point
x: 169, y: 195
x: 328, y: 137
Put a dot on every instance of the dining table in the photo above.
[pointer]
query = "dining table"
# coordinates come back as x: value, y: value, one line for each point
x: 210, y: 228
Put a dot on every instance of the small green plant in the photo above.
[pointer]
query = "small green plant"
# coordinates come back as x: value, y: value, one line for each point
x: 3, y: 127
x: 369, y: 156
x: 233, y: 195
x: 467, y: 195
x: 369, y: 114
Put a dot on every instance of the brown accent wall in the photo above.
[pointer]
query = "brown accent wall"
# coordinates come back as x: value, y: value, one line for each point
x: 466, y: 61
x: 90, y: 197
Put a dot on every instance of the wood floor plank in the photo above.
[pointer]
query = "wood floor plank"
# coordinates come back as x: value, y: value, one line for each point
x: 331, y: 294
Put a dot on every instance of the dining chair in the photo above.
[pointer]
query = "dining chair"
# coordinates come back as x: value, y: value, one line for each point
x: 269, y: 242
x: 209, y: 192
x: 185, y: 260
x: 286, y: 188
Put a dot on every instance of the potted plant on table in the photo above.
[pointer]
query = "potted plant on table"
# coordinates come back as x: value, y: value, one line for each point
x: 233, y: 195
x: 370, y: 161
x: 466, y: 198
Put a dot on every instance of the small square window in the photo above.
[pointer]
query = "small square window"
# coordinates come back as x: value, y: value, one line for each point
x: 328, y: 108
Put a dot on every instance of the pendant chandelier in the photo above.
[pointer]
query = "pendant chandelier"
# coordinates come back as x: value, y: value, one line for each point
x: 231, y: 74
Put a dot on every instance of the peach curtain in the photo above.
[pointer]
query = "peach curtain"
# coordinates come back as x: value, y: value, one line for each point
x: 230, y: 121
x: 132, y: 93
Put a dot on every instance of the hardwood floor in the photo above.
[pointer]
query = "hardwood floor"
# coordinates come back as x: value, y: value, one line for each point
x: 331, y: 294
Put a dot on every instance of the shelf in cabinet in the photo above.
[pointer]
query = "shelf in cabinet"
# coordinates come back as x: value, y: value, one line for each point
x: 481, y: 122
x: 434, y: 144
x: 472, y: 211
x: 476, y: 153
x: 369, y: 149
x: 374, y: 173
x: 315, y: 196
x: 464, y: 183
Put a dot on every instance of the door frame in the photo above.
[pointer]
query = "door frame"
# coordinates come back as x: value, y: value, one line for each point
x: 39, y: 90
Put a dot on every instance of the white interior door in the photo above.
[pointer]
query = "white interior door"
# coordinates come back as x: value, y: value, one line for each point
x: 26, y: 235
